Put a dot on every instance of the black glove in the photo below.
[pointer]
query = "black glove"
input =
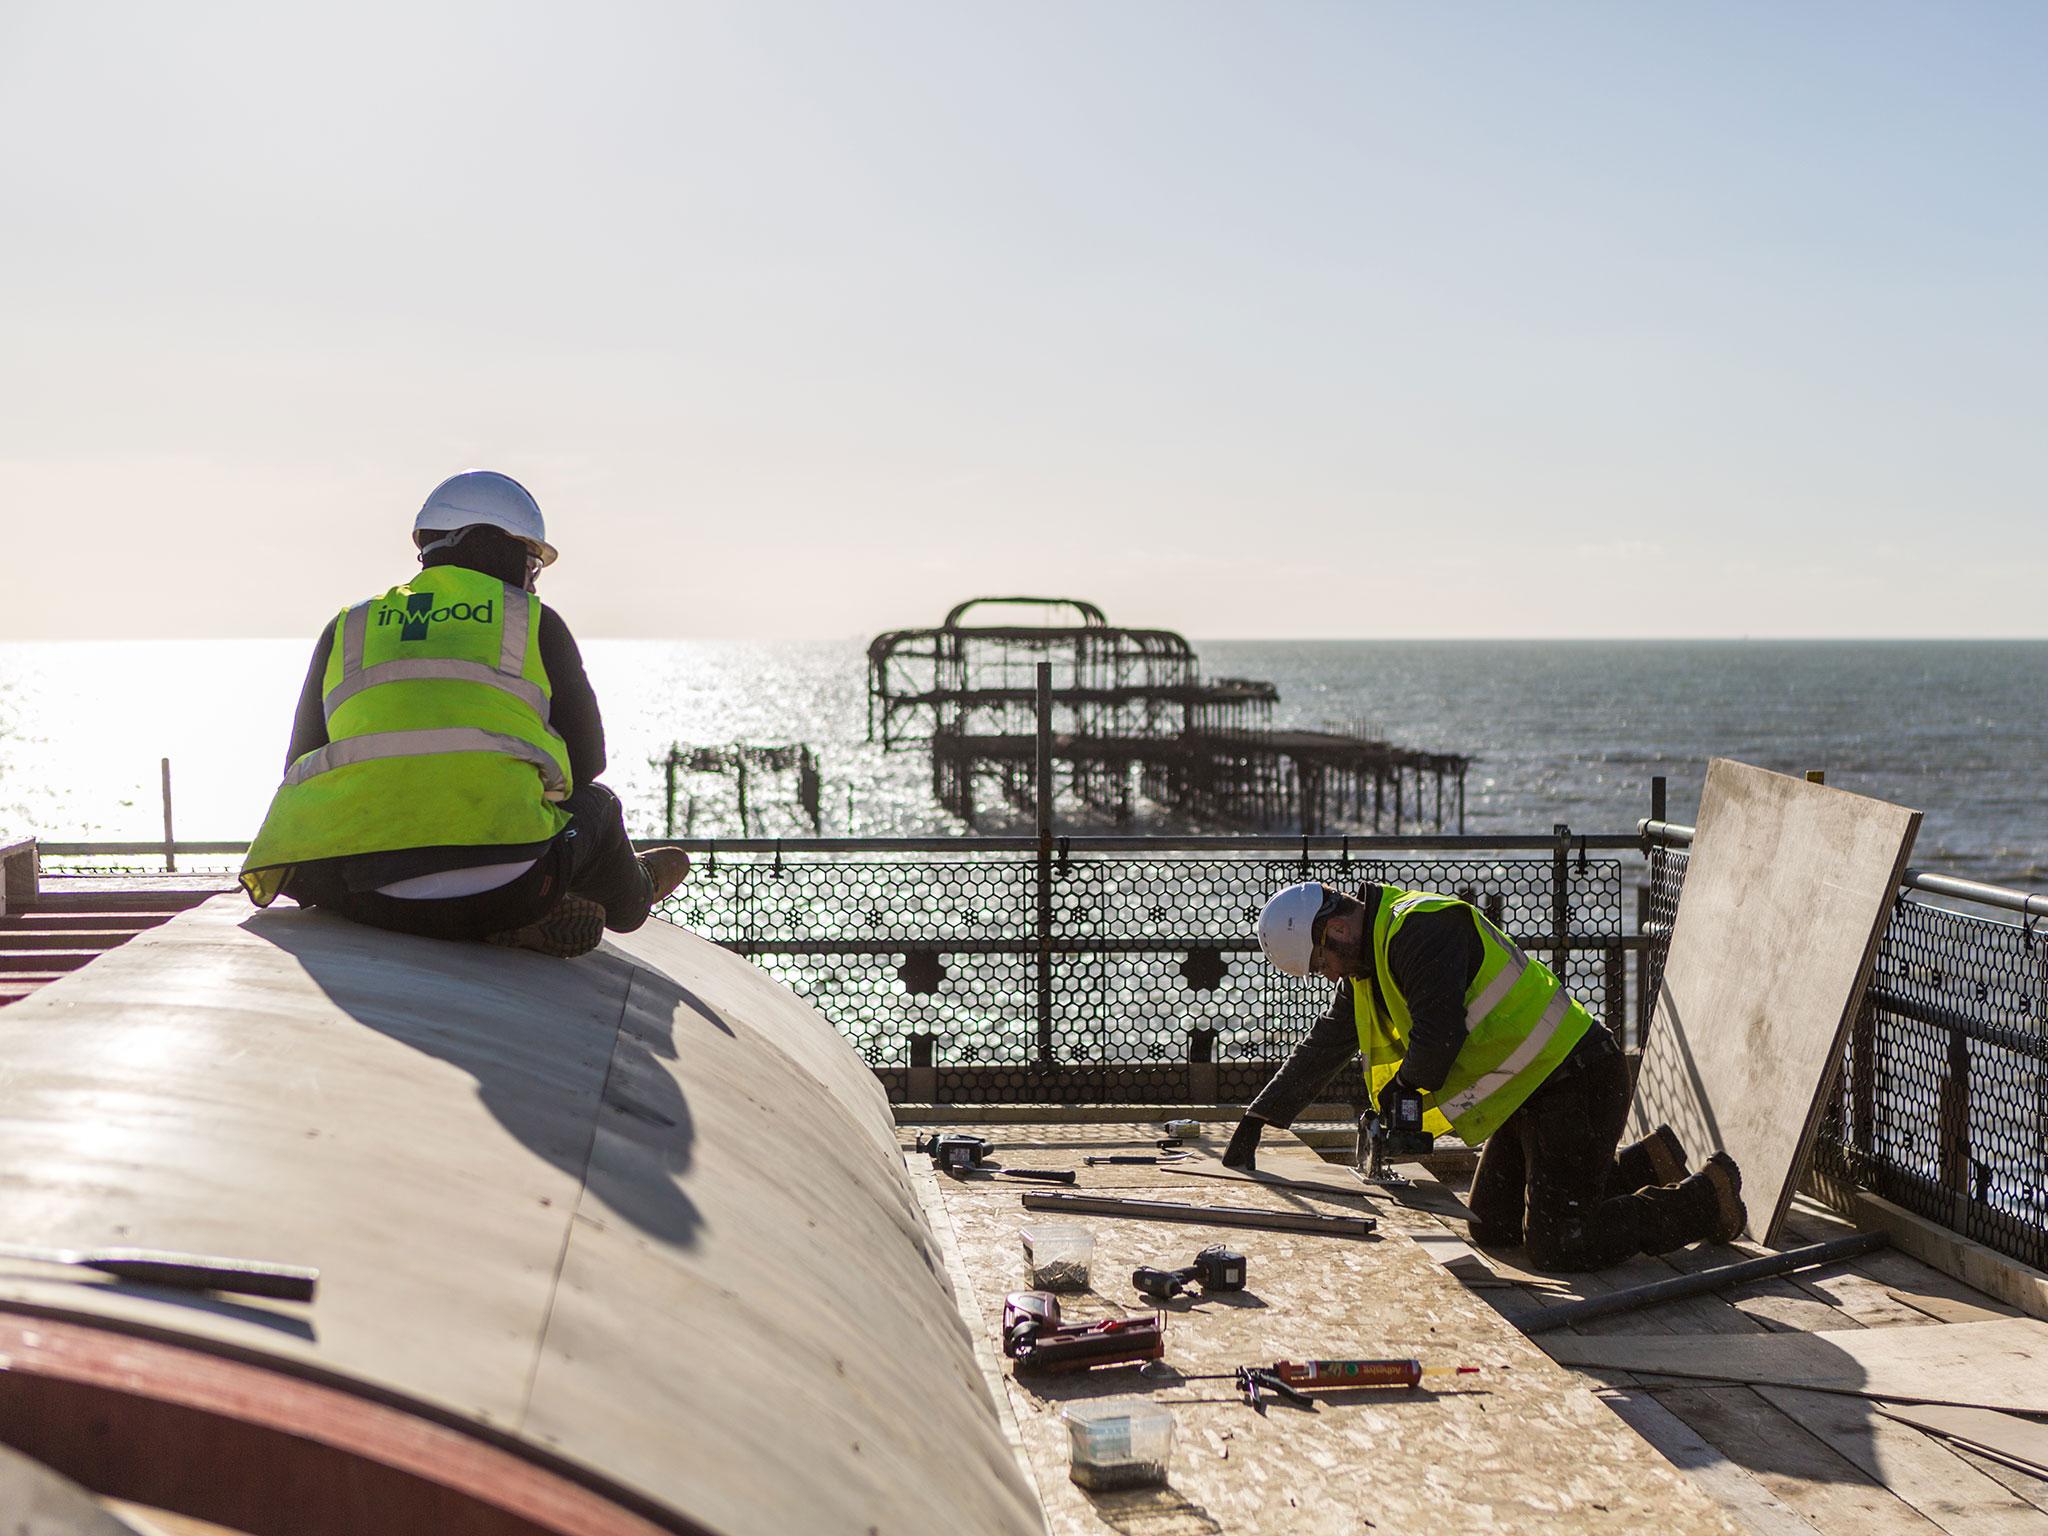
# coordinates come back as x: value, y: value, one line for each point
x: 1390, y: 1091
x: 1400, y: 1107
x: 1244, y: 1144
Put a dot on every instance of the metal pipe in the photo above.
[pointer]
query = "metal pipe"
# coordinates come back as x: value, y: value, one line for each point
x: 130, y: 850
x: 1044, y: 766
x: 1572, y: 1313
x: 1973, y: 890
x: 1560, y: 898
x: 1074, y: 946
x: 2024, y: 1038
x: 1328, y: 1224
x: 170, y: 837
x: 1672, y: 834
x: 1079, y: 843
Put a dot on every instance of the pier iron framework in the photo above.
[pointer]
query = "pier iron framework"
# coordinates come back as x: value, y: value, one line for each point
x: 1132, y: 716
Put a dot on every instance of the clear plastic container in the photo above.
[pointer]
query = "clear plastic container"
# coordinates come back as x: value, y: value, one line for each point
x: 1118, y: 1442
x: 1057, y: 1254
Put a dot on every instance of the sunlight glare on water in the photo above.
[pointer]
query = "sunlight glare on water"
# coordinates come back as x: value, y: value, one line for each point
x: 1563, y: 731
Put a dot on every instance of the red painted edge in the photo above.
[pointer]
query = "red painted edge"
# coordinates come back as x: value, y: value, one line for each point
x: 253, y: 1448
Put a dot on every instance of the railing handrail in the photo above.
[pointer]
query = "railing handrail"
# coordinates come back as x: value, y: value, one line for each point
x: 94, y: 850
x: 2031, y: 903
x: 1255, y: 842
x: 1671, y: 834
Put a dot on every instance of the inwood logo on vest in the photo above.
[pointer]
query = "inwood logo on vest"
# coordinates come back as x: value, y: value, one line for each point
x: 420, y: 612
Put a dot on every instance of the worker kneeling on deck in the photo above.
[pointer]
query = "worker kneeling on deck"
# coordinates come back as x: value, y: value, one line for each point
x: 1445, y: 1009
x: 443, y: 764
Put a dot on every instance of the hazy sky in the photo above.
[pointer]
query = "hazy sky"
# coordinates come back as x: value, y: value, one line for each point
x: 1247, y: 318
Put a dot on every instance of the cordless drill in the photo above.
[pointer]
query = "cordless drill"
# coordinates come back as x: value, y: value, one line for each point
x: 1216, y: 1268
x: 955, y: 1151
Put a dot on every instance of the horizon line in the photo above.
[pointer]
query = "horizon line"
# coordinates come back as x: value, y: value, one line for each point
x: 857, y: 639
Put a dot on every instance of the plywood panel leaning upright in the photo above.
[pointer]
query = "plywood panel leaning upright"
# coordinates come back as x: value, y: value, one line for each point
x: 1786, y: 893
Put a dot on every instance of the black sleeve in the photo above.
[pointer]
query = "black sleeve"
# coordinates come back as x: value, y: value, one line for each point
x: 1332, y: 1041
x: 309, y: 722
x: 1433, y: 960
x: 573, y: 710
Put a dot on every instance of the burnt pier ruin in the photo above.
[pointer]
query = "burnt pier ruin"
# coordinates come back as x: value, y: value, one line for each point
x: 1132, y: 717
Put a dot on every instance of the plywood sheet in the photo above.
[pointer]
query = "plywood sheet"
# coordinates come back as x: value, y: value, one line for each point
x: 2001, y: 1364
x: 1917, y: 1469
x: 2022, y: 1442
x: 1757, y: 1507
x: 1816, y: 1481
x: 290, y: 1087
x: 1523, y: 1446
x: 643, y: 1209
x: 1786, y: 893
x: 805, y: 1366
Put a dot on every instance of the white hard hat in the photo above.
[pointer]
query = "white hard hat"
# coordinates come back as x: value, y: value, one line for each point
x: 485, y: 496
x: 1287, y: 926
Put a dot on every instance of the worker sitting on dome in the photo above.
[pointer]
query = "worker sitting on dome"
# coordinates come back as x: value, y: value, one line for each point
x: 442, y: 776
x: 1464, y: 1034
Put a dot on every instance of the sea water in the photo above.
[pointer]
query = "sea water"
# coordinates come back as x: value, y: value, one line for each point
x: 1560, y: 731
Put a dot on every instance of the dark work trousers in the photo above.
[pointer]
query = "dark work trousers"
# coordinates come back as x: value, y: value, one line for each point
x: 1554, y: 1161
x: 602, y: 864
x: 592, y: 857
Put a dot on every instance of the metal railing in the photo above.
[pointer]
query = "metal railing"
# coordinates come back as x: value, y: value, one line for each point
x: 1942, y: 1101
x: 1109, y: 968
x: 1123, y: 969
x: 1090, y: 968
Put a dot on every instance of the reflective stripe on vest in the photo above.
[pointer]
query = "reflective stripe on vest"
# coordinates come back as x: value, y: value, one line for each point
x: 454, y: 738
x: 1558, y: 1010
x: 1520, y: 1021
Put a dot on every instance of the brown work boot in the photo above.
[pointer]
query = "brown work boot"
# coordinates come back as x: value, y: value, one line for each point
x: 665, y: 868
x: 1724, y: 1180
x: 1666, y: 1154
x: 573, y: 926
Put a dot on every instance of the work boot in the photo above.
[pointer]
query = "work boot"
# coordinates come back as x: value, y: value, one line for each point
x: 1723, y: 1182
x: 1658, y: 1159
x: 573, y: 926
x: 665, y: 868
x: 1666, y: 1154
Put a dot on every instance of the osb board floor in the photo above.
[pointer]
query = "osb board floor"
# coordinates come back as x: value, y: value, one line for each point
x: 1520, y: 1446
x: 1801, y: 1463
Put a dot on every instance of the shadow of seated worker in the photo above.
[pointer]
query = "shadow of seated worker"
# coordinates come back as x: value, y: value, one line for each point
x: 578, y: 1064
x: 442, y: 773
x: 1463, y: 1034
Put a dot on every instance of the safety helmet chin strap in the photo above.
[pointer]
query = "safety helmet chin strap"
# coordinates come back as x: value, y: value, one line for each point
x: 533, y: 561
x: 443, y: 542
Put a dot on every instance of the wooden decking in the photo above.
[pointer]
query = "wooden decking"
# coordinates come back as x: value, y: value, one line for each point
x: 1520, y: 1446
x: 69, y: 921
x: 1780, y: 1461
x: 1784, y: 1461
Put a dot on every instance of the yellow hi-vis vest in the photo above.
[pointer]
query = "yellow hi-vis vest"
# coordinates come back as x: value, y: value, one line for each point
x: 437, y: 722
x: 1520, y: 1022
